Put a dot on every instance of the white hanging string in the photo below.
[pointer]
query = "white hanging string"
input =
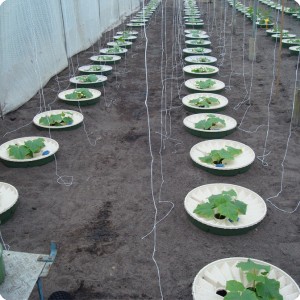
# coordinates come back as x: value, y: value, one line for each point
x: 285, y: 155
x: 151, y: 162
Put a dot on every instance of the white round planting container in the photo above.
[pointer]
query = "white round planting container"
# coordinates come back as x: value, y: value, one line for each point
x: 128, y: 32
x: 200, y: 70
x: 8, y: 201
x: 76, y: 116
x: 106, y: 59
x: 196, y: 51
x: 84, y: 101
x: 200, y: 59
x: 198, y: 43
x: 194, y: 31
x: 213, y: 277
x: 216, y: 132
x: 95, y: 69
x: 256, y: 209
x: 191, y: 85
x: 44, y: 156
x: 223, y: 102
x: 112, y: 51
x: 240, y: 164
x: 126, y: 38
x: 196, y: 36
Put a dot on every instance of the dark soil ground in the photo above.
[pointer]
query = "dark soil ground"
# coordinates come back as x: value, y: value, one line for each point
x: 98, y: 222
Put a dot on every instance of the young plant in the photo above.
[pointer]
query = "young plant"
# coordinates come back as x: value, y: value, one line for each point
x: 27, y: 150
x: 218, y: 157
x: 201, y: 59
x: 250, y: 10
x: 198, y: 42
x: 196, y: 35
x: 105, y: 57
x: 203, y: 101
x: 87, y: 78
x: 293, y: 41
x: 61, y: 119
x: 197, y: 50
x: 81, y: 93
x: 203, y: 70
x: 95, y: 68
x: 202, y: 85
x: 115, y: 49
x: 121, y: 42
x: 211, y: 122
x: 259, y: 285
x: 221, y: 206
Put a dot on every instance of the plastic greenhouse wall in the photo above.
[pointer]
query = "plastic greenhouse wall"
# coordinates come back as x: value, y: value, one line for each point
x: 37, y: 38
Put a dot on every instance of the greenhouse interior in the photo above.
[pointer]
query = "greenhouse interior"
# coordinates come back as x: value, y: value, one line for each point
x: 147, y: 149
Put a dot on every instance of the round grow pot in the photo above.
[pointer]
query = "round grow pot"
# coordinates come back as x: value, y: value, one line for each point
x: 194, y: 31
x: 76, y: 116
x: 135, y: 24
x: 198, y: 43
x: 79, y: 83
x: 106, y: 59
x: 114, y: 51
x: 200, y: 70
x: 194, y: 24
x: 191, y: 85
x: 200, y: 59
x: 294, y: 50
x: 82, y: 101
x: 240, y: 164
x: 131, y: 38
x: 196, y: 36
x: 222, y: 103
x: 286, y: 43
x: 276, y: 36
x: 95, y: 69
x: 44, y: 156
x: 196, y: 51
x: 124, y: 44
x: 256, y: 209
x: 213, y: 277
x: 215, y: 132
x: 275, y: 31
x: 130, y: 32
x: 139, y: 20
x: 9, y: 200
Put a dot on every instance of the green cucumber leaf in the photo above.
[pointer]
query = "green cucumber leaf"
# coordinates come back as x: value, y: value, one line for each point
x: 269, y: 290
x: 87, y: 78
x: 242, y: 207
x: 36, y: 145
x: 229, y: 210
x: 211, y: 121
x: 204, y: 210
x: 28, y: 149
x: 234, y: 286
x: 18, y: 152
x: 205, y: 84
x: 81, y: 93
x: 252, y: 266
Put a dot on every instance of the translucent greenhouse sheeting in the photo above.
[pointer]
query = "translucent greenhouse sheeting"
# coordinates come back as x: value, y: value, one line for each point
x: 37, y: 38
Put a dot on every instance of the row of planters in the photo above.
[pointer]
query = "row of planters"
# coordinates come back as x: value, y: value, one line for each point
x: 221, y: 208
x: 264, y: 20
x: 288, y: 10
x: 37, y: 150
